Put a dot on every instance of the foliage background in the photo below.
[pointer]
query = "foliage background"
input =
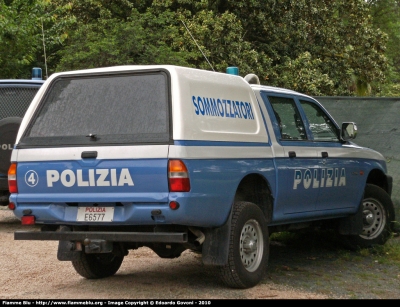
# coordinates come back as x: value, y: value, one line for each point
x: 319, y: 47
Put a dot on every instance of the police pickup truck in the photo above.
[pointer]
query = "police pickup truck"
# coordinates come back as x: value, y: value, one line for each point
x: 109, y: 160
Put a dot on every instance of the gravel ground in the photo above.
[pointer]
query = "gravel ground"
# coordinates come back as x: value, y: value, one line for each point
x: 30, y: 270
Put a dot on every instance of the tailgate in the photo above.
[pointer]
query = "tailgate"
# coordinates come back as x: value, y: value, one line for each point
x: 67, y: 189
x: 94, y: 148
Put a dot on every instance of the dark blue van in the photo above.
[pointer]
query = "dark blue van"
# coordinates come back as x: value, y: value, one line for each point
x: 15, y: 98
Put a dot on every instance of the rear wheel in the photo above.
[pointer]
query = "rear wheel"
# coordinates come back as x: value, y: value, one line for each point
x: 93, y: 266
x: 378, y: 219
x: 248, y: 247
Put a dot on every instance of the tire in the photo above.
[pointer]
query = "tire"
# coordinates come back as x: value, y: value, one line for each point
x: 248, y: 247
x: 4, y: 198
x: 8, y: 134
x: 94, y: 266
x: 378, y: 219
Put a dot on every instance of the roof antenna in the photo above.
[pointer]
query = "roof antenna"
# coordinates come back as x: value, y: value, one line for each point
x: 197, y: 45
x: 44, y: 49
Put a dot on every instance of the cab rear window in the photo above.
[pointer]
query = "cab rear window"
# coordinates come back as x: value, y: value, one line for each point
x: 98, y: 109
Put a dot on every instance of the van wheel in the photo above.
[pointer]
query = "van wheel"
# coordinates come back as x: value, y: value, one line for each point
x: 93, y: 266
x: 248, y: 248
x: 378, y: 219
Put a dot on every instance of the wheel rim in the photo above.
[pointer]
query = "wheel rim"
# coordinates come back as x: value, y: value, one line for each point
x: 251, y: 245
x: 374, y: 218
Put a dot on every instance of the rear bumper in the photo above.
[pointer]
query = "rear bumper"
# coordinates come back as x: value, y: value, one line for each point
x: 166, y: 237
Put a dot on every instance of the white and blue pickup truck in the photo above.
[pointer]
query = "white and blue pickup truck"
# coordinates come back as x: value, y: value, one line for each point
x: 109, y: 160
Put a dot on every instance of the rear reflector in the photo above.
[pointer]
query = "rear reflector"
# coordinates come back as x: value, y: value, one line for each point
x: 11, y: 206
x: 12, y: 178
x: 178, y: 176
x: 174, y: 205
x: 28, y: 220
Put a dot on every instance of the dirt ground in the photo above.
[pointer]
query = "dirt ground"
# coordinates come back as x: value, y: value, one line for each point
x: 30, y: 270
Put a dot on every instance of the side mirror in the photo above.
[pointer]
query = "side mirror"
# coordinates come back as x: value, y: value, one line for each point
x: 348, y: 131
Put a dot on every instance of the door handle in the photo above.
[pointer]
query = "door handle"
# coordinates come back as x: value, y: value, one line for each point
x: 292, y: 154
x: 324, y: 154
x: 89, y: 154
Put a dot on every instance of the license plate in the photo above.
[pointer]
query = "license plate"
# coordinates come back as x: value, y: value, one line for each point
x: 95, y: 214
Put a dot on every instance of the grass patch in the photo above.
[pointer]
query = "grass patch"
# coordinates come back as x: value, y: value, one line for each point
x: 366, y: 275
x: 328, y: 241
x: 388, y: 253
x: 318, y: 261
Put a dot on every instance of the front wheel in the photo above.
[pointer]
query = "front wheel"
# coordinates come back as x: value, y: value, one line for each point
x: 94, y: 266
x: 248, y: 248
x: 378, y: 219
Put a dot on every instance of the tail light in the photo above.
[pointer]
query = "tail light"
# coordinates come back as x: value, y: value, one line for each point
x: 178, y: 176
x: 12, y: 178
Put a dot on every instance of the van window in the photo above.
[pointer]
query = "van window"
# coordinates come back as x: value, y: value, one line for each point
x: 16, y: 98
x: 114, y: 109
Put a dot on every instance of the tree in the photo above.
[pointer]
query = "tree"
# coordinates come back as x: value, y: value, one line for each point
x: 333, y: 42
x: 337, y: 37
x: 110, y: 42
x: 319, y: 47
x: 156, y: 35
x: 386, y: 16
x: 20, y: 37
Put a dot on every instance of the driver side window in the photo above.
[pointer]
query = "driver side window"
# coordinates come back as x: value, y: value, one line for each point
x: 321, y: 126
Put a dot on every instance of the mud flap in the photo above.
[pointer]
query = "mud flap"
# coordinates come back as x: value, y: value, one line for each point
x: 67, y: 252
x: 216, y: 244
x: 353, y: 224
